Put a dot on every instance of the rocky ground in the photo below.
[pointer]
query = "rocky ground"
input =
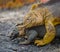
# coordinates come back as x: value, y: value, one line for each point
x: 8, y: 20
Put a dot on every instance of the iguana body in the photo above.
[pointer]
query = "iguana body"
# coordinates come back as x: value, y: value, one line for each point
x: 43, y: 15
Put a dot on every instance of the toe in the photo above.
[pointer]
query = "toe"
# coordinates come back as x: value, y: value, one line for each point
x: 39, y: 43
x: 36, y: 41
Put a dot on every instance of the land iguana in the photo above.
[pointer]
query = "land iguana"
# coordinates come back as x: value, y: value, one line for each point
x: 49, y: 16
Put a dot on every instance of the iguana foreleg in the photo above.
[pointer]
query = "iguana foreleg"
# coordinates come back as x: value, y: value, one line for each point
x: 49, y: 36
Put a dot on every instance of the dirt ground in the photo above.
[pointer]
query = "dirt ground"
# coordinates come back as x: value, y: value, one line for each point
x: 8, y: 21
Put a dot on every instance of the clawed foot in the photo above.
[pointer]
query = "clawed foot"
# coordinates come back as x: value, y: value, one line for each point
x: 39, y: 42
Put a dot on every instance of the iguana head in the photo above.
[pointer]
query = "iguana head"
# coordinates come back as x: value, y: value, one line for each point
x: 23, y: 26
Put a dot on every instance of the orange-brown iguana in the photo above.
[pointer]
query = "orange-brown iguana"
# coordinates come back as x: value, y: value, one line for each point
x: 43, y: 15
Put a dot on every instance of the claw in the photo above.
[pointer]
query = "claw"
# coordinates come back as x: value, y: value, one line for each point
x: 36, y: 41
x: 39, y: 42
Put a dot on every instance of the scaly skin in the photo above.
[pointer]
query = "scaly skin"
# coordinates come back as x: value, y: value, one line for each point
x: 40, y: 16
x: 36, y: 17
